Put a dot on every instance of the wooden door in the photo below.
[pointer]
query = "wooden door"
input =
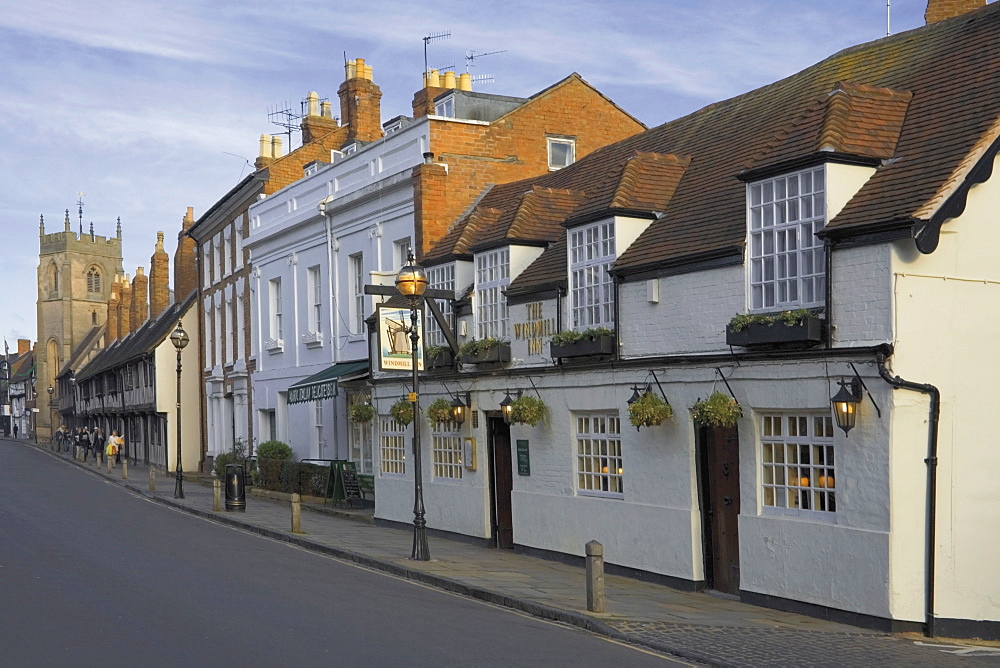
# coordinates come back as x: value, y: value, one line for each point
x: 501, y: 482
x: 721, y: 507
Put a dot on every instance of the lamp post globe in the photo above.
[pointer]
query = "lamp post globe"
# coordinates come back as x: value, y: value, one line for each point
x: 411, y: 281
x: 180, y: 339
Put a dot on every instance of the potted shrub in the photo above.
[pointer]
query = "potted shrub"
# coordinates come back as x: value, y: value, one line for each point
x: 761, y: 329
x: 527, y: 409
x: 719, y: 410
x: 361, y: 412
x: 439, y: 411
x: 649, y: 410
x: 480, y: 351
x: 402, y: 411
x: 593, y: 341
x: 438, y: 357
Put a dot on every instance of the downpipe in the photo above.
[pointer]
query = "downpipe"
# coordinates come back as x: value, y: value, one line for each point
x: 898, y: 383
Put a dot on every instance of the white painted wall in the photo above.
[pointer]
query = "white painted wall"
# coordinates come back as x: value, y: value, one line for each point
x: 165, y: 357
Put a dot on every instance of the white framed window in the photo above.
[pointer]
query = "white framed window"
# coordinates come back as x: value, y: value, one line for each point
x: 318, y: 428
x: 798, y: 475
x: 217, y: 257
x: 392, y: 446
x: 562, y: 152
x: 206, y: 265
x: 492, y: 276
x: 274, y: 296
x: 786, y: 257
x: 238, y: 260
x: 441, y: 277
x: 446, y: 450
x: 400, y: 251
x: 445, y: 107
x: 268, y: 425
x: 314, y: 284
x: 599, y: 470
x: 227, y: 252
x: 357, y: 269
x: 591, y: 253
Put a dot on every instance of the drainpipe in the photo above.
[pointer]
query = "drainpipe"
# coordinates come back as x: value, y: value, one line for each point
x: 617, y: 282
x: 829, y: 291
x: 559, y: 315
x: 898, y: 383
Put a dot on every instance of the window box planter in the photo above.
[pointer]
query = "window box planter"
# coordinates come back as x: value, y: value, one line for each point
x: 498, y: 352
x: 443, y: 359
x: 809, y: 331
x: 585, y: 347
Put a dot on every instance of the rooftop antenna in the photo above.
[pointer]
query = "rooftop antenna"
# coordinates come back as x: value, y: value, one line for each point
x: 79, y: 204
x: 471, y: 55
x: 285, y: 117
x: 433, y: 37
x: 888, y: 17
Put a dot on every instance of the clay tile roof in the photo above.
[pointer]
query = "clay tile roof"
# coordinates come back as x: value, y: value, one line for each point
x: 546, y: 272
x: 649, y: 181
x: 863, y: 120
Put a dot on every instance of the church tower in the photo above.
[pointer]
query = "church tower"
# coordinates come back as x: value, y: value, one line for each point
x: 75, y: 273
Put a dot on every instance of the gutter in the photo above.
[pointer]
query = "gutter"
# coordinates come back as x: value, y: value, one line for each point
x: 898, y: 383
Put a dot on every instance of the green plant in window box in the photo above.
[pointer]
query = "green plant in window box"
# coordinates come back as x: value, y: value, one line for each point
x: 435, y: 352
x: 478, y: 346
x: 402, y: 411
x: 649, y: 410
x: 527, y: 409
x: 719, y: 410
x: 439, y: 411
x: 788, y: 318
x: 572, y: 336
x: 361, y: 412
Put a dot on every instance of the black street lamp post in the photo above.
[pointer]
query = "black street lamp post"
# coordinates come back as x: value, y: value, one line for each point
x: 180, y: 339
x: 411, y: 281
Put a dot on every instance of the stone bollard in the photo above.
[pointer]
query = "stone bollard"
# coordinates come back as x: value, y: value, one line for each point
x: 109, y: 459
x: 296, y: 513
x: 217, y: 495
x: 124, y: 469
x: 595, y: 576
x: 152, y: 479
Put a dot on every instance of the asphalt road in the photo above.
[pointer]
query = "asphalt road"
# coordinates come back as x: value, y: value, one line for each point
x: 92, y: 575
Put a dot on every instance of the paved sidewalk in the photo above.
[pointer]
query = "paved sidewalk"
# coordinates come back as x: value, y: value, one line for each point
x: 697, y: 626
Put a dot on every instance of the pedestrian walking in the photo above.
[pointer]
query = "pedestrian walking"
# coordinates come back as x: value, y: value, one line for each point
x: 111, y: 450
x: 85, y: 440
x: 15, y: 431
x: 98, y: 439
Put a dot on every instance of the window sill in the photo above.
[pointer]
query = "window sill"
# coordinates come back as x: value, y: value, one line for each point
x: 274, y: 346
x: 312, y: 340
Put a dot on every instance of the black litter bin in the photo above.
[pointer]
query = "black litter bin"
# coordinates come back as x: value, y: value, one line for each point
x: 236, y: 490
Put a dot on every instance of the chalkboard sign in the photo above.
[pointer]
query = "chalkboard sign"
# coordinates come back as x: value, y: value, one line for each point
x: 352, y: 490
x: 523, y: 460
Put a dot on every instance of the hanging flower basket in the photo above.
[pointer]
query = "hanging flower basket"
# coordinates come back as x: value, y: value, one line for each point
x: 719, y: 410
x: 361, y: 412
x: 649, y: 410
x: 527, y: 410
x: 402, y: 411
x: 439, y: 411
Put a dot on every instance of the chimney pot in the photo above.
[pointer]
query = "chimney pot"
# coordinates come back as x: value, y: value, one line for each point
x: 449, y: 79
x: 265, y: 146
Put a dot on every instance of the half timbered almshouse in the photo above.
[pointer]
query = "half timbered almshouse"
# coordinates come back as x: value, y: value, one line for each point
x: 827, y: 236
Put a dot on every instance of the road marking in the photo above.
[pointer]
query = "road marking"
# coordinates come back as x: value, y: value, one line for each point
x: 961, y: 650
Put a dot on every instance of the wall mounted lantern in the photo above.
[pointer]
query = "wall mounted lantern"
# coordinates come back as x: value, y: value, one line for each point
x: 845, y: 404
x: 507, y: 405
x: 458, y: 409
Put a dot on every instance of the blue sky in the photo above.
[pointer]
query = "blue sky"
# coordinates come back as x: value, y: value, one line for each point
x: 152, y: 106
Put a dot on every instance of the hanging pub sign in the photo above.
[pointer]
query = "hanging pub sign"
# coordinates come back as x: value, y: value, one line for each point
x: 394, y: 339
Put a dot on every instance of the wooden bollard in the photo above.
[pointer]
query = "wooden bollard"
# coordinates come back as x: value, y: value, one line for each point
x: 109, y: 459
x: 595, y: 576
x: 296, y: 513
x: 217, y: 495
x: 124, y: 469
x: 152, y: 478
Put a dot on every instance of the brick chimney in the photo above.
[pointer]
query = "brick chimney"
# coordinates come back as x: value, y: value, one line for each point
x: 140, y: 299
x: 125, y: 308
x: 23, y: 346
x: 113, y: 302
x: 185, y: 260
x: 423, y: 99
x: 360, y: 102
x: 939, y: 10
x: 159, y: 279
x: 318, y: 120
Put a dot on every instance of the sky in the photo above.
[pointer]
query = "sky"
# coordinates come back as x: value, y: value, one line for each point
x: 148, y: 107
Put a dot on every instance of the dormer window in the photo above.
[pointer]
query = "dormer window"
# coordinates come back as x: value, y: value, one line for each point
x: 786, y: 257
x: 562, y: 152
x: 592, y: 295
x: 445, y: 107
x: 350, y: 149
x: 492, y: 276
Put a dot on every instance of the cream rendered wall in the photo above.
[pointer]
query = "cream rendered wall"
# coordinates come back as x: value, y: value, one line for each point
x: 946, y: 336
x: 166, y: 393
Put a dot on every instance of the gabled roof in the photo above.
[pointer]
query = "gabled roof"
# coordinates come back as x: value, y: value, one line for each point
x: 922, y: 108
x: 139, y: 343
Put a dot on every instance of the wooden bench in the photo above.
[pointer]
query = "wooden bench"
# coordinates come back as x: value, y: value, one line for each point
x: 367, y: 484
